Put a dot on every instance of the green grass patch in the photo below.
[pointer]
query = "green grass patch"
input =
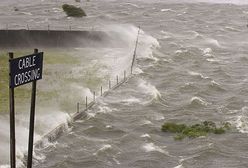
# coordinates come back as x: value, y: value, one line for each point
x: 196, y: 130
x: 23, y: 93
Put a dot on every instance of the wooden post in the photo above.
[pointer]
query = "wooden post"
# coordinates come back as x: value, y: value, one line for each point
x: 31, y: 122
x: 101, y: 90
x: 117, y: 79
x: 12, y: 118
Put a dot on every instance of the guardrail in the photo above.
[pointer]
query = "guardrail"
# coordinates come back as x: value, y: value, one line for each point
x: 81, y: 110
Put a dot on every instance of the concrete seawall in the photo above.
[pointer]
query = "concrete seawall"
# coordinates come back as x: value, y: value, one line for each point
x: 52, y: 38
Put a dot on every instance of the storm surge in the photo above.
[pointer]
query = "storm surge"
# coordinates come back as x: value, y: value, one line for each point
x: 69, y: 76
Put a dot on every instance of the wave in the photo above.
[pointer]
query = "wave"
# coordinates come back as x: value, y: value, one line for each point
x: 145, y: 136
x: 167, y: 10
x: 103, y: 149
x: 213, y: 42
x: 198, y: 75
x: 232, y: 29
x: 197, y: 101
x: 150, y: 147
x: 216, y: 86
x: 241, y: 120
x: 149, y: 89
x: 130, y: 101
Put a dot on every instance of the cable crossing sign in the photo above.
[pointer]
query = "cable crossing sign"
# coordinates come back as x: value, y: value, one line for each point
x: 26, y: 69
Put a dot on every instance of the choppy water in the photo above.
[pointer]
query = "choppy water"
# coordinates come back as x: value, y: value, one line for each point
x: 191, y: 66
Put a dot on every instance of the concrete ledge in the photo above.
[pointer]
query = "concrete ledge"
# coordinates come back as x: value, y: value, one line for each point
x: 52, y: 38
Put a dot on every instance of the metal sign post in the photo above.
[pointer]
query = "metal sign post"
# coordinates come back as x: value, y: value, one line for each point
x: 12, y: 119
x: 31, y: 122
x: 23, y: 70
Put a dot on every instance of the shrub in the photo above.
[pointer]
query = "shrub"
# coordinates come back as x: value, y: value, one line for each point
x: 194, y: 131
x: 73, y: 11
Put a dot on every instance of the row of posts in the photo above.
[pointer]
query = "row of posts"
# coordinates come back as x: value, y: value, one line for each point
x: 101, y: 91
x: 48, y: 27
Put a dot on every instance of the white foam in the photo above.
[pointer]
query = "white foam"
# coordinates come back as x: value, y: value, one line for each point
x: 198, y: 100
x: 103, y: 148
x: 213, y: 42
x: 146, y: 122
x: 215, y: 83
x: 137, y: 71
x: 212, y: 60
x: 104, y: 109
x: 198, y: 74
x: 207, y: 51
x: 242, y: 120
x: 150, y: 147
x: 132, y: 4
x: 132, y: 100
x: 149, y: 89
x: 167, y: 10
x: 145, y: 136
x: 179, y: 166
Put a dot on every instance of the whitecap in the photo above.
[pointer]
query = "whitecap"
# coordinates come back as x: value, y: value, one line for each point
x: 212, y: 60
x: 167, y: 10
x: 137, y: 71
x: 132, y: 4
x: 103, y: 148
x: 150, y: 147
x: 146, y: 122
x: 213, y: 83
x: 145, y: 136
x: 241, y: 121
x: 198, y: 100
x: 131, y: 100
x: 149, y: 89
x: 26, y: 13
x: 213, y: 41
x: 179, y: 166
x: 198, y: 74
x: 104, y: 109
x: 116, y: 161
x: 207, y: 51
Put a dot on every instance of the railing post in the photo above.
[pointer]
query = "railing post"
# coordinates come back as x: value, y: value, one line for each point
x: 94, y: 96
x: 77, y: 107
x: 101, y: 90
x: 117, y: 79
x: 86, y: 102
x: 124, y: 75
x: 109, y: 84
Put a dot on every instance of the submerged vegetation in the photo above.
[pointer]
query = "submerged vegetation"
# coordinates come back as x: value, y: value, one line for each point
x: 196, y: 130
x: 73, y: 11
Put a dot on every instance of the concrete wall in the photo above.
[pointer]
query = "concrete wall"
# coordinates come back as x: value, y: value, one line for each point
x: 52, y: 38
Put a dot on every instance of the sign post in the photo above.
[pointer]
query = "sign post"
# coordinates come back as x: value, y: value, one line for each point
x: 24, y: 70
x: 31, y: 122
x: 12, y: 119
